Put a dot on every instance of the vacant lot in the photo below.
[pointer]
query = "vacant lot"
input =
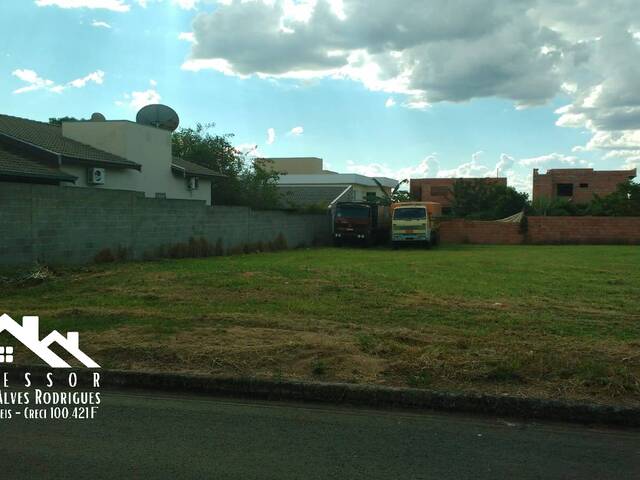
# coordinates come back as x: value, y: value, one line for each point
x: 560, y: 322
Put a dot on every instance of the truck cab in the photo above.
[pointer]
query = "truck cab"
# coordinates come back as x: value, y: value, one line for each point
x: 361, y: 222
x: 414, y: 223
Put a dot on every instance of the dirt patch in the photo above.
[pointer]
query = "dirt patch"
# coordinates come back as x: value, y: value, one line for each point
x: 395, y: 357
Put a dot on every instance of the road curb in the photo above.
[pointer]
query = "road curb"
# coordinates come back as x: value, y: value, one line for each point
x: 348, y: 394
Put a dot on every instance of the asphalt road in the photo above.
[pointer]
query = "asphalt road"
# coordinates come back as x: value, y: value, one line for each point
x: 162, y: 436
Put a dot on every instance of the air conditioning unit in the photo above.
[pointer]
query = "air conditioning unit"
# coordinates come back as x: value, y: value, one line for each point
x: 96, y: 176
x: 192, y: 183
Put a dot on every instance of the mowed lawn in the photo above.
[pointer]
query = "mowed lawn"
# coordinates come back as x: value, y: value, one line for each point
x: 547, y: 321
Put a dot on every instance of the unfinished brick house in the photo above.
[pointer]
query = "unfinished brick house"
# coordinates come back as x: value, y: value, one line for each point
x: 577, y: 184
x: 441, y: 189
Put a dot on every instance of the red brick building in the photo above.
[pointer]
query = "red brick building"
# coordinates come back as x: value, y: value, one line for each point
x: 577, y: 184
x: 441, y: 189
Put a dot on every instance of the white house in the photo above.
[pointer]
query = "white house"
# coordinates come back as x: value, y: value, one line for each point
x: 303, y: 181
x: 116, y: 154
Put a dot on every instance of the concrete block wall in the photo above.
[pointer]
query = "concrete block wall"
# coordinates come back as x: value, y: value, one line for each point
x: 59, y: 225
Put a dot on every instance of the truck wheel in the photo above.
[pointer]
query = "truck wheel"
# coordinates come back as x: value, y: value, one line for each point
x: 395, y: 245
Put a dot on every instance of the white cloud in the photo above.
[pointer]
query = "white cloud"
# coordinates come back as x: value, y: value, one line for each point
x: 271, y: 136
x: 100, y: 24
x: 96, y: 77
x: 550, y: 160
x: 187, y: 37
x: 186, y: 4
x: 114, y: 5
x: 505, y: 164
x: 428, y: 166
x: 296, y: 131
x: 467, y: 170
x: 390, y: 102
x: 138, y: 99
x: 250, y: 151
x: 35, y: 82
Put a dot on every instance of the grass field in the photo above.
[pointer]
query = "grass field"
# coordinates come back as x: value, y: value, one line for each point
x: 546, y: 321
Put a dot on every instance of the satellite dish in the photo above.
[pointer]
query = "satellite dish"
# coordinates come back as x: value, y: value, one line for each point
x: 97, y: 117
x: 159, y: 116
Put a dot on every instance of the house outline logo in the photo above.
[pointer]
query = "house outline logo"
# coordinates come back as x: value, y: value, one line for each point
x: 29, y: 335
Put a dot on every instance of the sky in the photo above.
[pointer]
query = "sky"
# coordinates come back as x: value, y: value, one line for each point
x: 417, y: 88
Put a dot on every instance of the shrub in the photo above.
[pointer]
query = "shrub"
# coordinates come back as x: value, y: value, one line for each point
x: 280, y: 243
x: 218, y: 250
x: 104, y: 256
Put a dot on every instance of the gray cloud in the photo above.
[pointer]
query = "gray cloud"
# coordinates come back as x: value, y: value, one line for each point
x: 447, y: 50
x: 527, y: 51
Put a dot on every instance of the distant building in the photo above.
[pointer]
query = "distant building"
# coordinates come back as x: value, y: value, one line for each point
x: 304, y: 182
x: 441, y: 189
x: 577, y: 184
x: 325, y: 189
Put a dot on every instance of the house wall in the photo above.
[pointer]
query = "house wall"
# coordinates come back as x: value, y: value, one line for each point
x: 421, y: 188
x: 597, y: 182
x: 59, y: 225
x: 544, y: 230
x: 148, y: 146
x: 295, y: 165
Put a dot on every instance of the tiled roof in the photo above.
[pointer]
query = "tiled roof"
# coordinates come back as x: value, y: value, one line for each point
x: 49, y: 137
x: 304, y: 196
x: 193, y: 169
x: 14, y: 164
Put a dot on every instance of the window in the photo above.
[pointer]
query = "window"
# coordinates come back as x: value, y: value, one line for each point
x: 6, y: 354
x: 193, y: 183
x: 371, y: 196
x: 161, y: 196
x: 564, y: 189
x: 410, y: 213
x: 352, y: 211
x: 584, y: 185
x: 440, y: 191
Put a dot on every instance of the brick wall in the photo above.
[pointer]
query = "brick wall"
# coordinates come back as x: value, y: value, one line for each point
x: 611, y: 230
x: 61, y: 225
x: 544, y: 230
x: 474, y: 231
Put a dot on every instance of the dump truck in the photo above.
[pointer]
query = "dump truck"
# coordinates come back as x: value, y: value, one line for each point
x: 361, y: 222
x: 415, y: 223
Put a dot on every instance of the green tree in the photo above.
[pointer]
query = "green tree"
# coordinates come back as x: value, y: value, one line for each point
x: 58, y: 120
x: 396, y: 194
x: 481, y: 200
x: 624, y: 202
x: 248, y: 182
x: 558, y: 207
